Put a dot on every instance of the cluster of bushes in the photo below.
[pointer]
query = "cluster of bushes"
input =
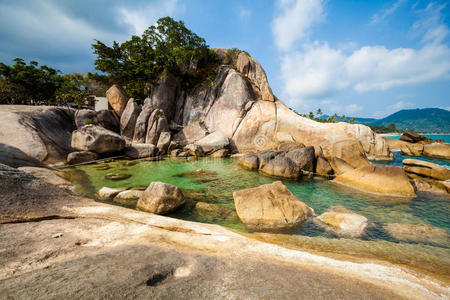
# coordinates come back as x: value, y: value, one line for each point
x: 135, y: 64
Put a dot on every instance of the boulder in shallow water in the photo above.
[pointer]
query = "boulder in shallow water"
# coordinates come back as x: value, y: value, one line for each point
x: 378, y: 179
x: 281, y: 166
x: 342, y: 222
x: 422, y: 233
x: 160, y: 198
x: 432, y: 186
x: 97, y: 139
x: 426, y: 169
x: 437, y: 151
x: 79, y: 157
x: 128, y: 197
x: 214, y: 141
x: 323, y: 167
x: 267, y: 155
x: 304, y: 158
x: 270, y: 207
x: 163, y: 142
x: 249, y: 161
x: 117, y: 176
x: 139, y: 150
x: 194, y: 150
x: 106, y: 193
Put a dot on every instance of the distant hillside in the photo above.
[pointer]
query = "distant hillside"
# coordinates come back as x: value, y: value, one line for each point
x: 420, y: 120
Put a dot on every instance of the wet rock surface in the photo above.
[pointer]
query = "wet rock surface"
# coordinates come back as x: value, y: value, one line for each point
x: 342, y: 222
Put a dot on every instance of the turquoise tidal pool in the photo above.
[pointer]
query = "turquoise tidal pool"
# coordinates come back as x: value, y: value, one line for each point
x: 213, y: 181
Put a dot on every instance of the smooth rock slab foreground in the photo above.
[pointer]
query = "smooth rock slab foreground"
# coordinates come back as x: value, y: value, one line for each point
x: 342, y: 222
x: 270, y: 207
x: 160, y: 198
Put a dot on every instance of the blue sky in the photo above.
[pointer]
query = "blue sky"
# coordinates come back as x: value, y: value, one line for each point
x: 360, y: 58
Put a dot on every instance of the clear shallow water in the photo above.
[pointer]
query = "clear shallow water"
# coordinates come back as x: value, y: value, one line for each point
x: 399, y: 157
x: 217, y: 187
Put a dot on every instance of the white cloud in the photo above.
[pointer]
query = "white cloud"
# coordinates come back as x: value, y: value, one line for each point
x: 140, y: 18
x: 294, y: 21
x: 382, y: 15
x: 245, y: 14
x: 317, y: 71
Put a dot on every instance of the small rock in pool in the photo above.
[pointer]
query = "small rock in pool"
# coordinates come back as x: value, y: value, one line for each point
x: 102, y: 168
x: 114, y: 176
x: 129, y: 163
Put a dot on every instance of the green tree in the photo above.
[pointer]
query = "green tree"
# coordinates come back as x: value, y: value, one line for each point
x: 319, y: 112
x: 311, y: 115
x: 168, y: 46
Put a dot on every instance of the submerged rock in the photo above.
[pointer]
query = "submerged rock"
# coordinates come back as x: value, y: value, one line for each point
x: 116, y: 177
x: 270, y: 207
x: 160, y: 198
x: 378, y: 179
x: 97, y: 139
x: 249, y: 161
x: 422, y: 233
x: 342, y: 222
x: 81, y: 157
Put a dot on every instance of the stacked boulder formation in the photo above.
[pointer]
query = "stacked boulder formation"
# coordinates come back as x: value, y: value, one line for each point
x: 414, y: 144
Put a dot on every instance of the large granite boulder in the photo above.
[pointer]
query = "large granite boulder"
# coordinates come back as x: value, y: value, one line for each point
x: 281, y: 166
x: 378, y: 179
x: 79, y: 157
x: 289, y: 145
x: 85, y: 117
x: 422, y: 168
x: 265, y: 156
x: 41, y: 132
x: 160, y: 198
x: 117, y: 99
x: 163, y: 142
x: 128, y: 119
x: 106, y: 193
x: 128, y: 197
x: 303, y: 157
x: 108, y: 120
x: 249, y: 161
x: 323, y: 167
x: 214, y: 141
x: 350, y: 151
x: 250, y: 68
x: 97, y: 139
x: 157, y: 123
x: 421, y: 233
x: 437, y: 151
x: 270, y: 207
x: 342, y: 222
x: 194, y: 150
x: 164, y: 95
x: 142, y: 121
x: 140, y: 150
x: 190, y: 133
x: 406, y: 148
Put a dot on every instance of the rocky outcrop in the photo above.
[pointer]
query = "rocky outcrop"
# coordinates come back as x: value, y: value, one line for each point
x: 40, y: 132
x: 97, y: 139
x: 194, y: 150
x: 437, y: 151
x: 106, y: 193
x: 190, y: 133
x: 378, y: 179
x: 323, y: 167
x: 304, y: 158
x: 406, y: 148
x: 108, y: 120
x: 249, y: 161
x: 340, y: 166
x: 422, y: 233
x: 140, y: 150
x: 220, y: 153
x: 163, y: 142
x: 140, y: 129
x: 79, y: 157
x: 264, y: 157
x: 281, y: 166
x: 85, y: 117
x: 157, y: 123
x: 414, y: 168
x: 213, y: 142
x: 117, y: 99
x: 432, y: 186
x: 164, y: 95
x: 270, y: 207
x: 342, y: 222
x: 128, y: 119
x: 413, y: 137
x: 160, y: 198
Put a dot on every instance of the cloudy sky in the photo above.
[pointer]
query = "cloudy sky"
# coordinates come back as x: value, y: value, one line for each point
x: 361, y: 58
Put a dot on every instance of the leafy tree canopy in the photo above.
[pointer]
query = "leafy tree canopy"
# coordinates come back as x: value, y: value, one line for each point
x: 168, y: 46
